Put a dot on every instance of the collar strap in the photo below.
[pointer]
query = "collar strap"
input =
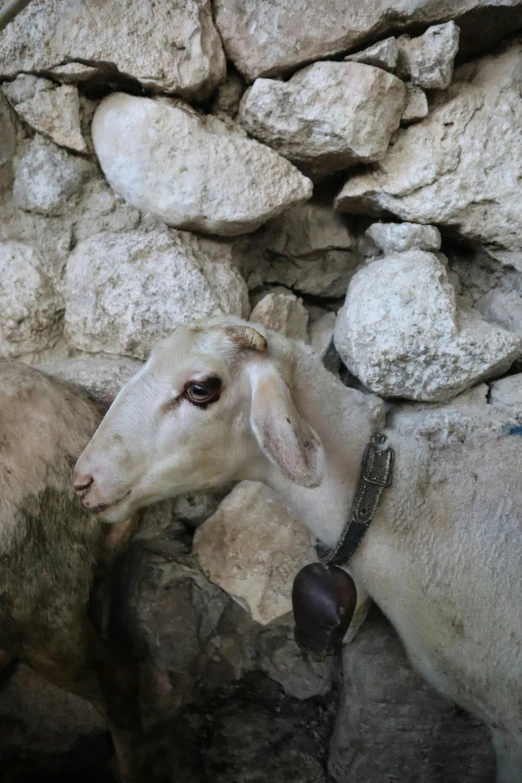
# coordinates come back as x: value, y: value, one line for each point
x: 376, y: 475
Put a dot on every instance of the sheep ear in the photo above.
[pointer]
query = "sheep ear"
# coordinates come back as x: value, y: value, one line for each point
x: 283, y: 435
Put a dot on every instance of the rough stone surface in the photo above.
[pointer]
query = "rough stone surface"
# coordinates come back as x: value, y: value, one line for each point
x: 30, y: 309
x: 461, y: 167
x: 191, y: 171
x: 401, y: 333
x: 54, y: 111
x: 308, y: 248
x: 327, y: 116
x: 100, y: 378
x: 383, y: 54
x: 174, y: 49
x: 281, y: 659
x: 153, y: 283
x: 282, y: 312
x: 398, y: 237
x: 47, y: 178
x: 7, y: 139
x: 416, y: 105
x: 382, y: 701
x: 428, y: 59
x: 259, y: 578
x: 260, y: 39
x: 507, y: 393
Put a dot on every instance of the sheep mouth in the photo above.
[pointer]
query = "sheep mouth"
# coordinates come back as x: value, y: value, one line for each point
x: 99, y: 509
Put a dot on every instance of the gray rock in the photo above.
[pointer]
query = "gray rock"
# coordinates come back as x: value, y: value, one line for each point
x: 416, y: 105
x: 383, y: 54
x: 251, y: 744
x: 100, y: 378
x: 398, y: 237
x: 281, y: 659
x: 401, y: 333
x: 326, y: 117
x: 507, y: 393
x: 152, y: 282
x: 260, y: 38
x: 174, y: 49
x: 428, y: 59
x: 30, y: 308
x: 47, y: 178
x: 259, y: 577
x: 191, y: 171
x: 449, y: 171
x: 383, y: 701
x: 308, y: 248
x: 282, y: 312
x: 51, y: 110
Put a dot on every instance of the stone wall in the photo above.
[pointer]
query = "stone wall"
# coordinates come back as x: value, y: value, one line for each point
x: 346, y: 173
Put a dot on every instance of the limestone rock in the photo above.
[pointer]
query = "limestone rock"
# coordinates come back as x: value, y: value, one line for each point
x: 398, y: 237
x: 382, y: 700
x: 282, y: 312
x: 126, y: 291
x: 172, y: 48
x: 102, y: 379
x: 73, y: 72
x: 507, y: 393
x: 47, y: 178
x: 416, y: 105
x: 326, y: 117
x: 462, y: 166
x: 383, y: 54
x: 260, y: 38
x: 428, y: 59
x: 30, y: 309
x: 191, y: 171
x: 259, y: 577
x: 308, y: 248
x: 401, y: 333
x: 54, y: 111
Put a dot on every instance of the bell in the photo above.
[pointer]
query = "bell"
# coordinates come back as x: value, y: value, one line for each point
x: 323, y: 599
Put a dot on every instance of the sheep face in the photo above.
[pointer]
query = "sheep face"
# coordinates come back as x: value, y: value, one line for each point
x: 212, y: 405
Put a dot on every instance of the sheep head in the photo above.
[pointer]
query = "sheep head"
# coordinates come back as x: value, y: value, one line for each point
x: 213, y: 404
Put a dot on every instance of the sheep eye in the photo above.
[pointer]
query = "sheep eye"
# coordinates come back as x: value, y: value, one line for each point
x: 203, y: 392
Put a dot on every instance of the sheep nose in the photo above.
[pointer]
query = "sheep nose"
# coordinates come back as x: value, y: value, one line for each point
x: 82, y: 483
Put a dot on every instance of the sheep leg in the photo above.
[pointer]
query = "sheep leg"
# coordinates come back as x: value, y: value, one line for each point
x: 508, y: 752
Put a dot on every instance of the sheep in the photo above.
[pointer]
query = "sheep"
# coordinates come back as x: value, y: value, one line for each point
x: 51, y: 551
x: 221, y: 402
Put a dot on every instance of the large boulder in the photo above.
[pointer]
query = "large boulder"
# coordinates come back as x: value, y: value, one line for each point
x: 252, y: 548
x: 461, y: 167
x: 125, y: 291
x: 326, y: 117
x: 101, y: 378
x: 191, y: 171
x: 30, y: 308
x: 383, y: 702
x: 402, y: 333
x: 168, y: 47
x: 260, y: 38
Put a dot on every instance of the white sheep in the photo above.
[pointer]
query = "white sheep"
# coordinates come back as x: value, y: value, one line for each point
x: 52, y: 553
x: 224, y: 402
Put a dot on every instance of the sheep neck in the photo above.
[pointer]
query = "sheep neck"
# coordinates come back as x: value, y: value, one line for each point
x: 344, y: 419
